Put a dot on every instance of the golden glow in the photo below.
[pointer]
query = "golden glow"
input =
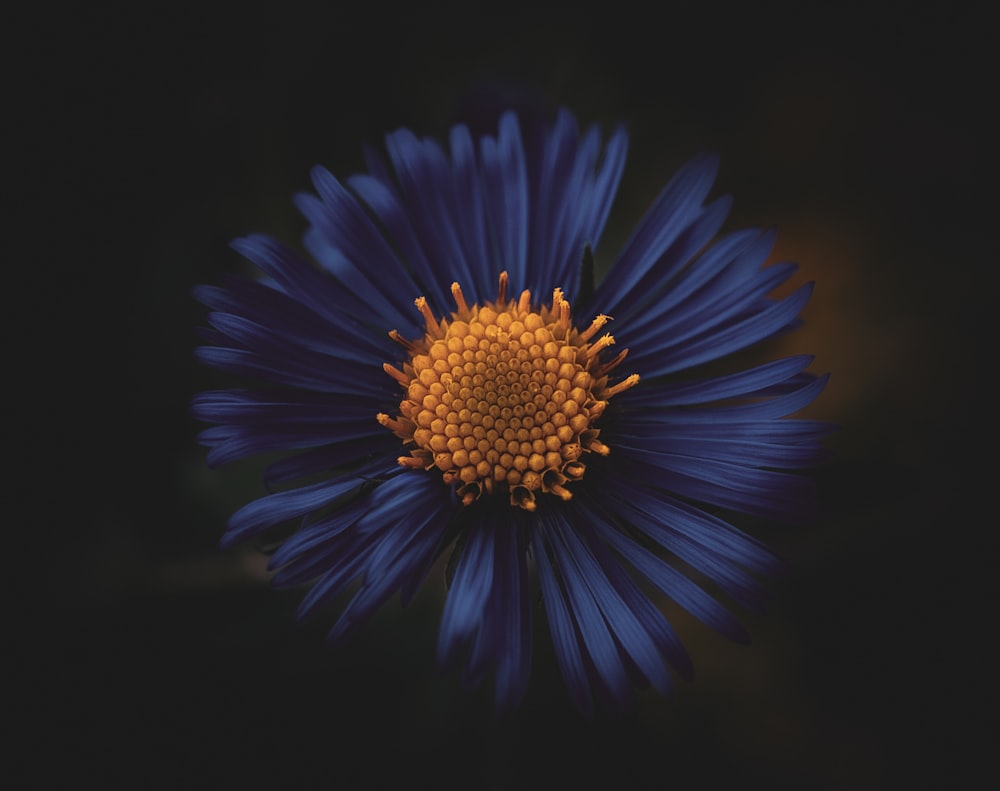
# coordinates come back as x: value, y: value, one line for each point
x: 502, y: 398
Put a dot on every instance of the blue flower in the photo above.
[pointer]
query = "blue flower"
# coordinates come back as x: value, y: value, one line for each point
x: 441, y: 379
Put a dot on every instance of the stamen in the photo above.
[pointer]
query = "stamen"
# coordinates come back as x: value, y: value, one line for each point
x: 524, y: 303
x: 456, y: 292
x: 432, y: 323
x: 415, y: 462
x: 502, y: 289
x: 393, y: 425
x: 523, y: 498
x: 596, y: 409
x: 626, y: 383
x: 410, y: 346
x: 596, y: 446
x: 601, y: 343
x: 602, y: 368
x: 595, y: 325
x: 396, y: 374
x: 564, y: 318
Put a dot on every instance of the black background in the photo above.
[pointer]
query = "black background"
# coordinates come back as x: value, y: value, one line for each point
x: 145, y: 139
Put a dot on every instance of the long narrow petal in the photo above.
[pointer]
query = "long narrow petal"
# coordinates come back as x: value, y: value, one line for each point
x: 565, y: 636
x: 467, y: 595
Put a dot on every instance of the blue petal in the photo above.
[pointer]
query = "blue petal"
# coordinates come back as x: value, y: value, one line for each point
x: 310, y: 539
x: 703, y: 391
x: 282, y: 506
x: 427, y: 186
x: 622, y: 620
x: 387, y: 206
x: 593, y: 628
x: 396, y: 542
x: 514, y: 621
x: 605, y: 187
x: 552, y: 201
x: 340, y: 379
x: 688, y: 288
x: 742, y: 452
x: 649, y: 298
x: 287, y: 408
x: 265, y: 305
x: 379, y: 587
x: 506, y: 184
x: 291, y: 274
x: 702, y: 344
x: 348, y: 227
x: 673, y: 584
x: 766, y: 493
x: 565, y: 637
x: 711, y: 557
x: 754, y: 419
x: 339, y: 454
x: 470, y: 217
x: 467, y: 595
x: 341, y: 570
x: 678, y: 205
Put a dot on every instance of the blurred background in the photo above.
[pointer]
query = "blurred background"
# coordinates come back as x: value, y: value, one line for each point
x: 147, y: 138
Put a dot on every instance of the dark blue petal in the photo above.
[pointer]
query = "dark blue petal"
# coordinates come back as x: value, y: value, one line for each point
x: 593, y: 628
x: 336, y: 455
x: 309, y: 540
x: 467, y: 594
x: 427, y: 186
x: 653, y: 621
x: 511, y: 599
x: 338, y: 378
x: 229, y: 443
x: 337, y: 334
x: 345, y: 224
x: 341, y: 571
x: 565, y: 637
x: 622, y: 619
x: 470, y: 217
x: 278, y: 408
x: 765, y: 493
x: 281, y: 506
x: 404, y: 552
x: 742, y: 452
x: 703, y: 391
x: 291, y: 274
x: 647, y: 301
x: 673, y: 584
x: 387, y: 206
x: 736, y: 332
x: 552, y: 200
x: 698, y: 289
x: 675, y: 209
x: 754, y: 419
x: 705, y: 553
x: 605, y: 187
x: 505, y: 182
x: 371, y: 306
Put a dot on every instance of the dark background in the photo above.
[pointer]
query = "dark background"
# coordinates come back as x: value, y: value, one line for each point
x: 144, y: 140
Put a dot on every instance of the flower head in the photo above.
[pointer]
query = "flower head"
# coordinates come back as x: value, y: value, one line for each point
x: 442, y: 379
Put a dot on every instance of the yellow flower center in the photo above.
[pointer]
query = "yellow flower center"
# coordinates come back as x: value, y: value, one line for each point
x: 502, y: 398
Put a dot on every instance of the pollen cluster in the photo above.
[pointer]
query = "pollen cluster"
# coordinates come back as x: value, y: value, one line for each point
x: 502, y: 398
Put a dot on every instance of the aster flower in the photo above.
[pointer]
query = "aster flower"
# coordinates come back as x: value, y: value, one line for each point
x: 443, y: 380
